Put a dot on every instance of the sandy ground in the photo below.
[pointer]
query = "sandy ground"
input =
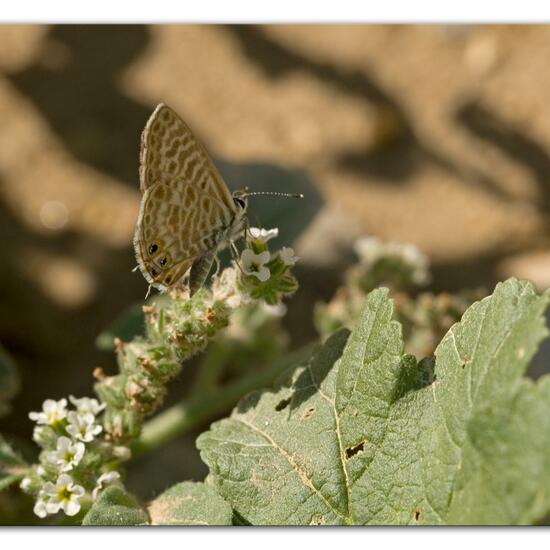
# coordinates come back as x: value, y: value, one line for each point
x: 434, y: 135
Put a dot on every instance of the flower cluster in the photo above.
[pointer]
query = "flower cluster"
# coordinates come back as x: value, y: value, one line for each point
x: 265, y: 276
x: 75, y: 462
x: 401, y: 266
x: 425, y: 316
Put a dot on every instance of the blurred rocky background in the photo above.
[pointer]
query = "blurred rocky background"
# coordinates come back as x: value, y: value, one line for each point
x: 437, y: 136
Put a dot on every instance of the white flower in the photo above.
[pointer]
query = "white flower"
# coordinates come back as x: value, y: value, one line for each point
x: 64, y: 495
x: 123, y: 453
x: 371, y: 249
x: 52, y: 412
x: 287, y: 255
x: 82, y: 426
x: 87, y: 405
x: 224, y: 288
x: 253, y: 264
x: 276, y: 310
x: 37, y: 433
x: 263, y: 234
x: 67, y: 455
x: 26, y: 482
x: 108, y: 478
x: 368, y: 248
x: 223, y: 285
x: 40, y: 505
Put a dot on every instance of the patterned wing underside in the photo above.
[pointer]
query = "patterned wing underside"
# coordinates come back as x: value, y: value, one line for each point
x: 183, y: 223
x: 170, y: 151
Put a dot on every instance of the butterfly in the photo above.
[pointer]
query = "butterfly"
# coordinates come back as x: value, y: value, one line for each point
x: 187, y: 213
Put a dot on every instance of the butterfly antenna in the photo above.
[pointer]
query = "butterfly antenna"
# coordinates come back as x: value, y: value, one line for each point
x: 148, y: 292
x: 135, y: 268
x: 275, y: 193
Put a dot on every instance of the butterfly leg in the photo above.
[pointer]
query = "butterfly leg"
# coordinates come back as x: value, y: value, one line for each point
x: 148, y: 291
x: 235, y: 255
x: 218, y: 266
x: 247, y: 229
x: 234, y: 251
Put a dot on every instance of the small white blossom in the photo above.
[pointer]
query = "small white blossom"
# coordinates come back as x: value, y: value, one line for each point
x: 67, y: 455
x: 263, y: 234
x: 87, y: 405
x: 64, y: 495
x: 121, y: 452
x: 371, y: 249
x: 253, y: 264
x: 82, y: 426
x: 108, y: 478
x: 52, y: 412
x: 40, y: 505
x: 276, y: 310
x: 26, y: 482
x: 225, y: 289
x: 37, y: 433
x: 288, y: 256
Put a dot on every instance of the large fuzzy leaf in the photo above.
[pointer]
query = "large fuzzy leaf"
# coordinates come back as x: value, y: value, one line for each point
x: 364, y: 434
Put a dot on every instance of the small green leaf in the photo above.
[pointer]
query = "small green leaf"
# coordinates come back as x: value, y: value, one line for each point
x: 363, y: 434
x: 11, y: 465
x: 114, y: 506
x: 190, y: 503
x: 8, y: 457
x: 7, y: 481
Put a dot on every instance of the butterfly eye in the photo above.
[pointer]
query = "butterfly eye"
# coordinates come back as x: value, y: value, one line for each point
x: 153, y: 248
x: 239, y: 202
x: 162, y: 262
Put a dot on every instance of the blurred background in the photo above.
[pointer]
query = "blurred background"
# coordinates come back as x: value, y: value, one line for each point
x: 437, y: 136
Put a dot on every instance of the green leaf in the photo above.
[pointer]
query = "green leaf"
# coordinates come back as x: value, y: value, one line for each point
x: 11, y: 465
x: 114, y: 506
x: 8, y: 457
x: 364, y: 434
x: 7, y: 481
x: 190, y: 503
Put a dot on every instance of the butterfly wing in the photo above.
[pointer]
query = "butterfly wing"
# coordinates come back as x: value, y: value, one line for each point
x: 170, y: 151
x: 186, y: 206
x: 176, y: 226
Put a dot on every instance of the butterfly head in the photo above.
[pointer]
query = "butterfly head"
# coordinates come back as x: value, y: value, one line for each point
x: 240, y: 198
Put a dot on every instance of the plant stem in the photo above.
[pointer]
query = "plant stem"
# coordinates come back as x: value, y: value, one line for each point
x: 191, y: 413
x: 210, y: 370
